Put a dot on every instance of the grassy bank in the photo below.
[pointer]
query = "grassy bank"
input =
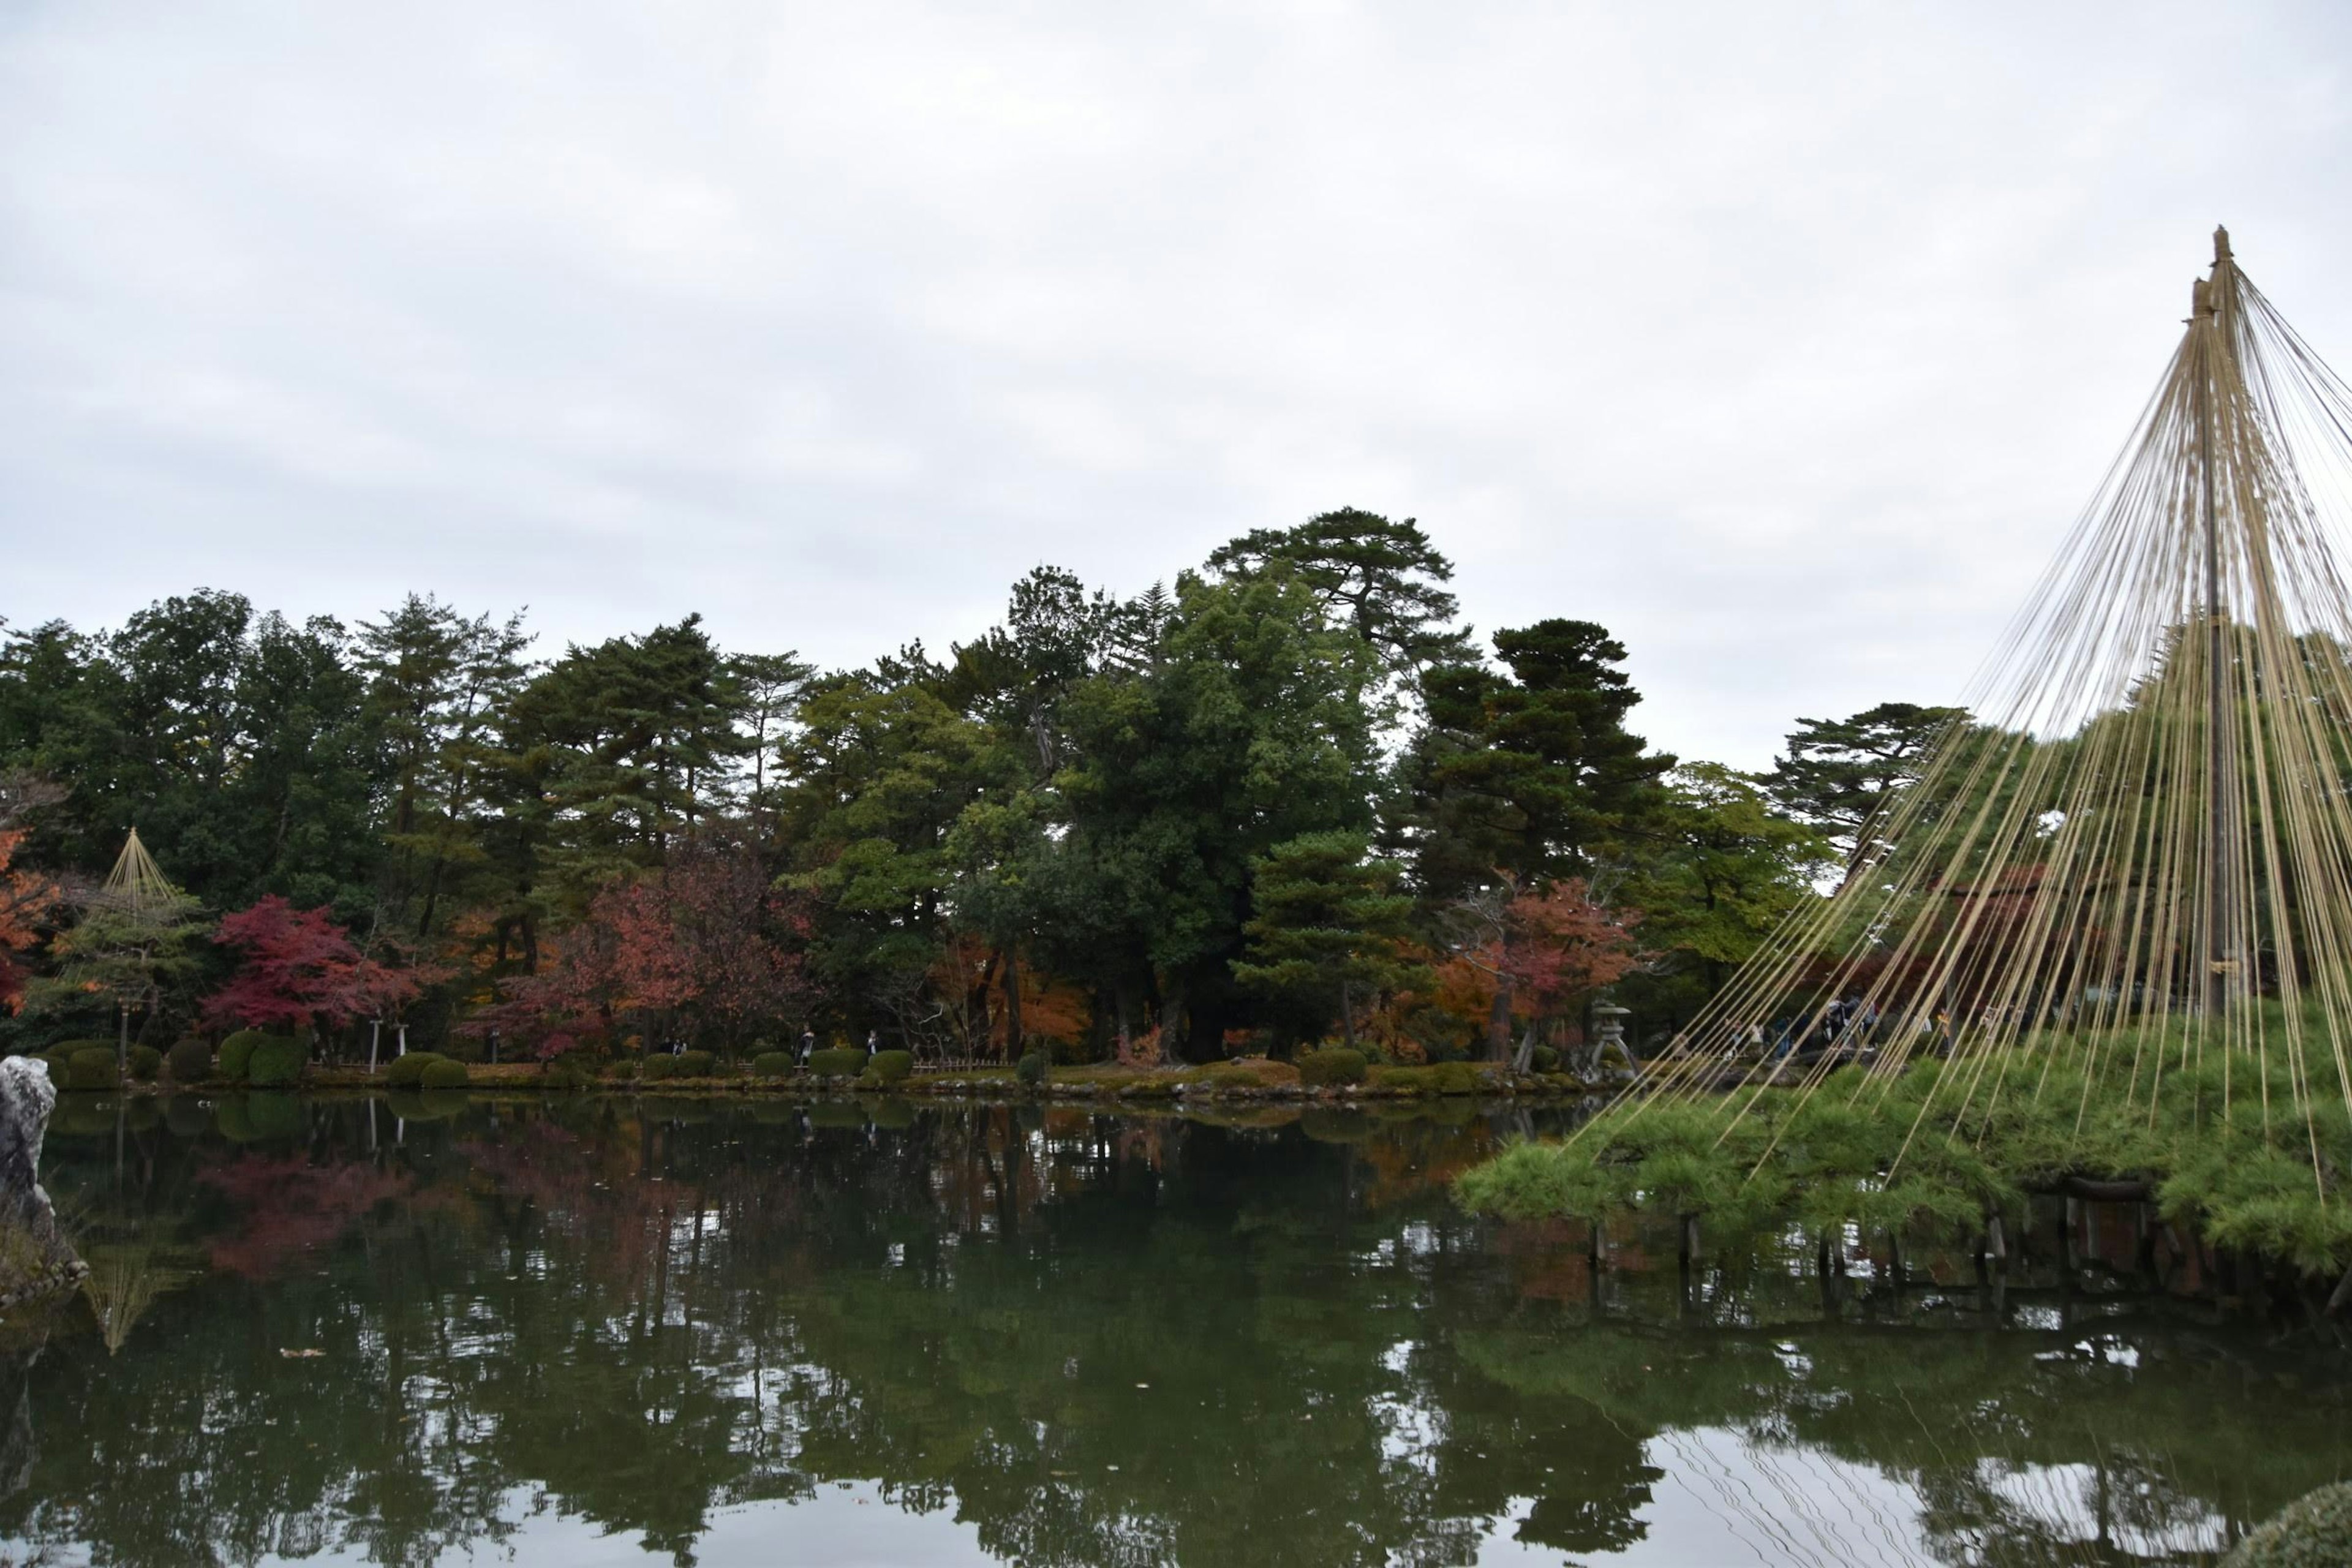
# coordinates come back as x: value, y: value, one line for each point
x: 2244, y: 1158
x: 1253, y: 1079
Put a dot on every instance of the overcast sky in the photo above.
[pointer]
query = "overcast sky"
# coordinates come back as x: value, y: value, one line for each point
x: 1784, y: 340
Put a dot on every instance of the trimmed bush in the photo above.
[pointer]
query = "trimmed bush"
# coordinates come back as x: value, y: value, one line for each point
x: 237, y: 1054
x: 1244, y: 1072
x: 1331, y: 1065
x: 277, y: 1062
x: 838, y: 1061
x: 190, y: 1060
x: 1031, y: 1069
x: 773, y: 1064
x: 92, y: 1067
x: 566, y: 1072
x: 888, y: 1068
x: 1438, y: 1078
x: 146, y: 1062
x: 2313, y: 1532
x: 656, y: 1068
x: 696, y: 1064
x: 444, y: 1074
x: 407, y: 1071
x: 1544, y: 1058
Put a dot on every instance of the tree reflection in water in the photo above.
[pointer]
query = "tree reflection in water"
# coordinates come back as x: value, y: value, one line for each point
x: 1091, y: 1339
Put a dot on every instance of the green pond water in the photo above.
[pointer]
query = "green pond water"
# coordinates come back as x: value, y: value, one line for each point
x: 730, y: 1333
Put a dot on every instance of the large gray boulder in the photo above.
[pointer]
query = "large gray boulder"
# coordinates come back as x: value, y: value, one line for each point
x: 36, y: 1260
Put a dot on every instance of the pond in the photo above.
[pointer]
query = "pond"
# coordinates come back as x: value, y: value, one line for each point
x: 757, y: 1331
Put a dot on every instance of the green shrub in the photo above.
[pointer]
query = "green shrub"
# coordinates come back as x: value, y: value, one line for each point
x: 566, y: 1072
x: 1244, y: 1072
x: 696, y: 1064
x: 655, y: 1068
x: 146, y: 1062
x: 407, y: 1071
x: 1544, y: 1058
x: 838, y: 1061
x: 1438, y: 1078
x: 1333, y: 1064
x: 773, y: 1064
x: 888, y: 1068
x: 1031, y: 1069
x: 190, y: 1061
x: 2315, y: 1532
x: 237, y: 1053
x: 444, y: 1074
x: 275, y: 1062
x: 92, y: 1067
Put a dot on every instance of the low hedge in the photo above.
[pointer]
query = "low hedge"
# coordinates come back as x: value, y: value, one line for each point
x: 773, y: 1064
x: 2313, y: 1532
x: 1438, y: 1078
x: 92, y: 1067
x: 1244, y: 1072
x: 888, y: 1068
x: 237, y: 1053
x: 277, y: 1062
x: 189, y: 1060
x: 838, y: 1061
x: 444, y: 1074
x: 655, y: 1068
x: 1331, y: 1065
x: 694, y: 1064
x: 566, y: 1072
x: 407, y: 1071
x: 146, y: 1062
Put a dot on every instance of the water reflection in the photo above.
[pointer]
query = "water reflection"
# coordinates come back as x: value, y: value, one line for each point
x: 1054, y: 1337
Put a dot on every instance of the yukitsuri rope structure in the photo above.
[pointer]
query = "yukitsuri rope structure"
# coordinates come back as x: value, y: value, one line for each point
x: 2140, y: 844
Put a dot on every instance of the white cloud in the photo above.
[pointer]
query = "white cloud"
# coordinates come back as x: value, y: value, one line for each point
x: 1784, y: 342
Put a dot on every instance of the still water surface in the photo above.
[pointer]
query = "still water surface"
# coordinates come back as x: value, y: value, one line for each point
x: 607, y: 1331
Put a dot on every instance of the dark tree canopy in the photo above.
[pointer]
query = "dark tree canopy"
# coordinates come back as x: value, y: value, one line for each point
x: 1838, y: 772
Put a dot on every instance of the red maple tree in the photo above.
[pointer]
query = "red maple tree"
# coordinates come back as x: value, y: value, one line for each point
x: 25, y: 897
x: 703, y: 947
x: 298, y: 968
x: 1560, y: 946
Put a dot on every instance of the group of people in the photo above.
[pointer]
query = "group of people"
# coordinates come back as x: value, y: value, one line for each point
x: 1847, y: 1023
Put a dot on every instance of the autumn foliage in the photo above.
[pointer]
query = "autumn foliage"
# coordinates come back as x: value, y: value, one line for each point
x: 25, y: 899
x: 705, y: 941
x: 298, y: 969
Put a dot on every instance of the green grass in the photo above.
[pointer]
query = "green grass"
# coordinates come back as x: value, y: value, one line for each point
x: 2233, y: 1148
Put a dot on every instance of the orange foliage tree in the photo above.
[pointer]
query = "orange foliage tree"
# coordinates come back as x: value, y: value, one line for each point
x: 26, y: 899
x: 1545, y: 950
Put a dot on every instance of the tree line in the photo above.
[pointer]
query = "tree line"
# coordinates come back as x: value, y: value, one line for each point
x: 1288, y: 798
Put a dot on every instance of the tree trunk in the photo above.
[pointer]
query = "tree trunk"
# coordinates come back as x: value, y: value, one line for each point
x: 1348, y: 1014
x: 1498, y: 1021
x: 1012, y: 1004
